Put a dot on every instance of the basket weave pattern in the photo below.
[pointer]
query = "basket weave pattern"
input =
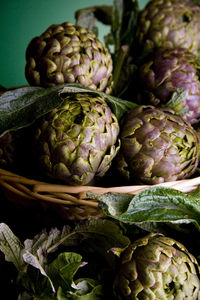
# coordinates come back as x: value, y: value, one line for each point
x: 73, y: 199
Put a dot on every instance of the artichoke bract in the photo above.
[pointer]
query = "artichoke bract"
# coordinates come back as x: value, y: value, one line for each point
x: 169, y: 24
x: 156, y: 146
x: 77, y: 142
x: 157, y: 267
x: 66, y: 53
x: 164, y: 73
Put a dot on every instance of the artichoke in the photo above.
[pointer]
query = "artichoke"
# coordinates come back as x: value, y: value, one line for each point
x: 66, y: 53
x: 167, y: 71
x: 77, y: 141
x: 156, y: 146
x: 157, y: 267
x: 169, y: 24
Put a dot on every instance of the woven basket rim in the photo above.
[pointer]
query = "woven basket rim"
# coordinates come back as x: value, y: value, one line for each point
x: 77, y: 195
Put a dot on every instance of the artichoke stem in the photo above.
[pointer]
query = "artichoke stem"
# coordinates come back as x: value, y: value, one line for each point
x: 119, y: 61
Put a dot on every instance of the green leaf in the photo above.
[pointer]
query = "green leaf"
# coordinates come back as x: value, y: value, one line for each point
x: 118, y: 106
x: 37, y: 249
x: 44, y: 243
x: 35, y: 284
x: 61, y: 295
x: 108, y: 232
x: 12, y: 248
x: 123, y: 36
x: 32, y: 260
x: 21, y: 107
x: 104, y: 232
x: 124, y: 22
x: 156, y: 204
x: 176, y: 101
x: 117, y: 20
x: 87, y: 17
x: 195, y: 193
x: 63, y: 269
x: 87, y: 289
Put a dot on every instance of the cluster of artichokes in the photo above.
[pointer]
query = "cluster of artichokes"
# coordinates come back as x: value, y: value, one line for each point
x: 153, y: 149
x: 153, y: 143
x: 168, y: 31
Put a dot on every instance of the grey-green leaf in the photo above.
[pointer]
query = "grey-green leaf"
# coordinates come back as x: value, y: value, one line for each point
x: 32, y: 260
x: 177, y: 98
x: 118, y: 106
x: 156, y: 204
x: 44, y: 243
x: 12, y: 248
x: 105, y: 231
x: 22, y: 106
x: 87, y: 17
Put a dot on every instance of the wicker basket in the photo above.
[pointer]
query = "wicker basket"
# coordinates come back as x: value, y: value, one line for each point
x: 71, y: 202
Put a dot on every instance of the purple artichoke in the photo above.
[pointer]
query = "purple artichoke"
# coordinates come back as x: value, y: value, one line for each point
x: 66, y: 53
x: 156, y: 146
x: 169, y: 24
x: 164, y: 73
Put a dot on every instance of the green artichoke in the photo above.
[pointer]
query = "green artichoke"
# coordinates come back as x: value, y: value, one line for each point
x: 169, y: 24
x: 157, y: 267
x: 66, y: 53
x: 156, y: 146
x: 164, y: 73
x: 78, y: 141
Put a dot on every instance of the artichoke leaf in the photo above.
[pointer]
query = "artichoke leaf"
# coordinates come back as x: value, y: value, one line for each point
x: 122, y: 37
x: 64, y: 267
x: 22, y: 106
x: 178, y: 97
x: 118, y: 106
x: 124, y: 22
x: 121, y: 17
x: 87, y: 17
x: 46, y: 242
x: 156, y: 204
x: 11, y: 246
x: 32, y: 260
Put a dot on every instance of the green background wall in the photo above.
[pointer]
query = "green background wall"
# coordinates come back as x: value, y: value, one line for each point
x: 21, y: 20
